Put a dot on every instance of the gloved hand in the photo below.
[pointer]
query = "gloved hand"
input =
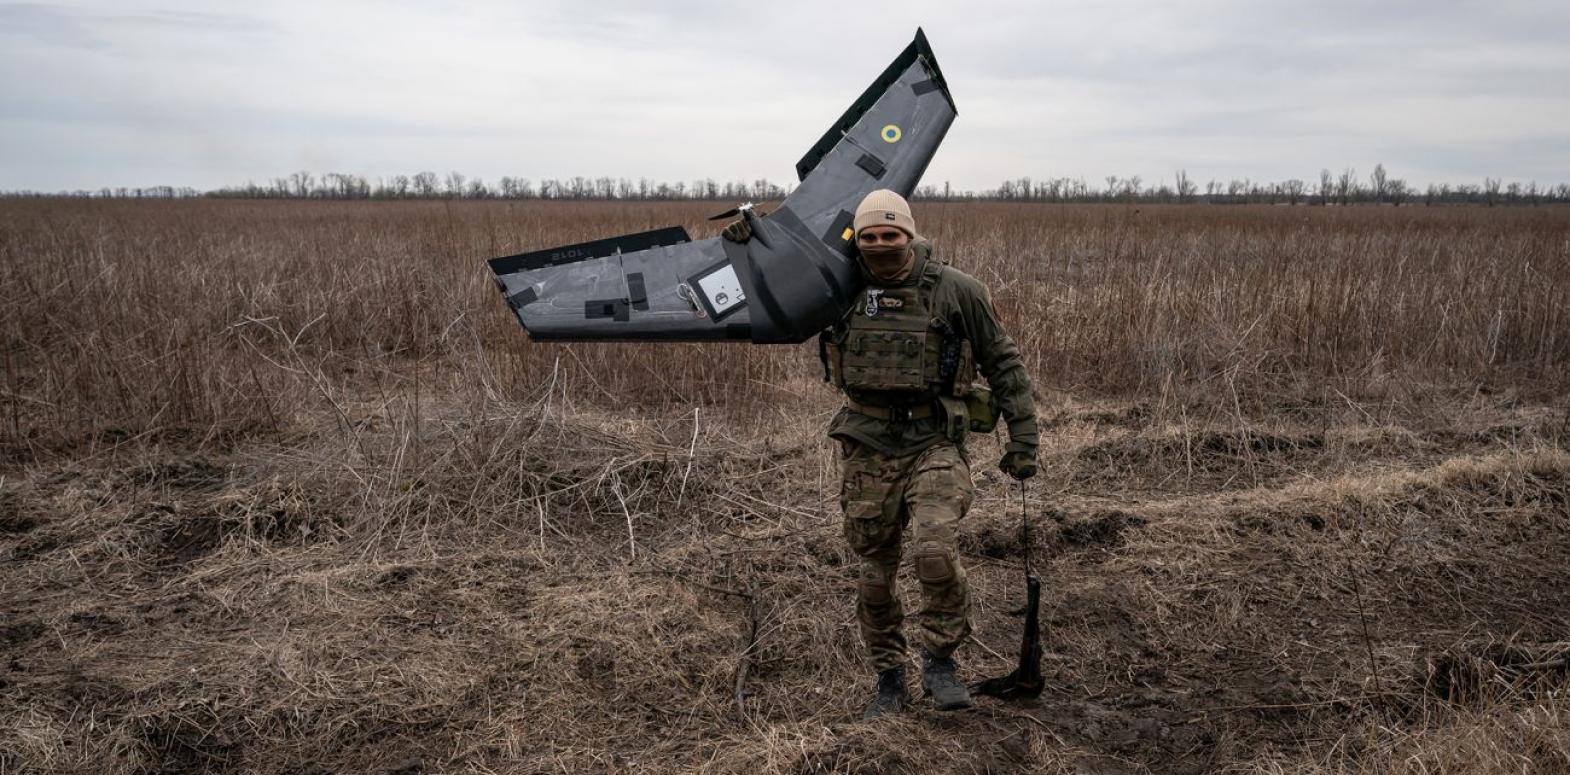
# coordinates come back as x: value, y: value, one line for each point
x: 1018, y: 464
x: 740, y: 230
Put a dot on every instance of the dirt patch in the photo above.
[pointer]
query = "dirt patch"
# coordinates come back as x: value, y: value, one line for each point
x: 1276, y: 522
x: 1207, y: 451
x: 189, y: 742
x: 397, y: 576
x: 16, y: 633
x: 13, y: 519
x: 1492, y: 671
x: 408, y: 767
x: 35, y: 546
x: 597, y: 666
x: 182, y: 607
x: 1099, y: 621
x: 14, y: 523
x: 1102, y: 529
x: 190, y: 538
x: 189, y: 474
x: 1150, y: 727
x: 280, y: 524
x: 186, y: 529
x: 97, y: 622
x: 98, y: 693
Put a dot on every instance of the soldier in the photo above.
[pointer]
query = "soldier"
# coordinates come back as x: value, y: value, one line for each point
x: 906, y: 359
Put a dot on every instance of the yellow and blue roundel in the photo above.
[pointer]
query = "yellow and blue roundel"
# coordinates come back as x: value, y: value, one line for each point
x: 891, y: 134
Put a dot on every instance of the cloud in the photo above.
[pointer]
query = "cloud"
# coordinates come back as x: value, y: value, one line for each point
x: 45, y: 26
x: 193, y: 93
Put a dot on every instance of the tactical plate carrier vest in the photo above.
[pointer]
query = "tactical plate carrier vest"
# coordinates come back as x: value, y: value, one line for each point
x: 890, y: 351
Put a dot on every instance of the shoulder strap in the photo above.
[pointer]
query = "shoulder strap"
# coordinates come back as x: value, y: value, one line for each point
x: 931, y: 274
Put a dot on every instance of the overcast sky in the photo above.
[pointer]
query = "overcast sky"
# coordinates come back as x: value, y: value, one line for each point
x: 207, y: 94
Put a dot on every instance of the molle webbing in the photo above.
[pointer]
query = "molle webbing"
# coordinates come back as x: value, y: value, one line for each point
x: 891, y: 343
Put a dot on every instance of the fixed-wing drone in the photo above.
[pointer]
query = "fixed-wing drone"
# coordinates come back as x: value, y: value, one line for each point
x: 796, y: 276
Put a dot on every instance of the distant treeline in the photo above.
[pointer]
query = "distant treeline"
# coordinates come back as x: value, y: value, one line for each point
x: 1344, y: 188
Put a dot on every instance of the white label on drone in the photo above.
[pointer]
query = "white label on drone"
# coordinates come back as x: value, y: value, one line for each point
x: 722, y: 289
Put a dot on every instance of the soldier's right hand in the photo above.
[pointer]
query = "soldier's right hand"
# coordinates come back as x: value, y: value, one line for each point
x: 738, y: 231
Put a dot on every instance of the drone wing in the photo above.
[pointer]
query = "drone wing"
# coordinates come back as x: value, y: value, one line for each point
x: 795, y: 277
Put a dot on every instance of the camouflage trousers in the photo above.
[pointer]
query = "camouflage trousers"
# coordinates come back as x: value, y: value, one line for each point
x: 929, y: 490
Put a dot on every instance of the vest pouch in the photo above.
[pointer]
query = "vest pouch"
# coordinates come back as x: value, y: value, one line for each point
x: 956, y: 418
x: 884, y: 360
x: 981, y: 408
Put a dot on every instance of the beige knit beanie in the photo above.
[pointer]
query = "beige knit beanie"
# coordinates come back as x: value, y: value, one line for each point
x: 885, y: 208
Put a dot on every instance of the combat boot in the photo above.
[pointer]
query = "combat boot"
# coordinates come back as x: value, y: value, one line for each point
x: 940, y: 681
x: 891, y: 696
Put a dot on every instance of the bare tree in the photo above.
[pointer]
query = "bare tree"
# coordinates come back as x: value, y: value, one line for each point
x: 1293, y: 189
x: 303, y: 183
x: 1327, y: 186
x: 1377, y: 183
x: 425, y: 184
x: 1398, y: 190
x: 1346, y: 185
x: 1185, y: 188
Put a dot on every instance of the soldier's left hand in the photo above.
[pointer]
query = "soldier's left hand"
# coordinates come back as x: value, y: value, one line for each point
x: 1018, y: 464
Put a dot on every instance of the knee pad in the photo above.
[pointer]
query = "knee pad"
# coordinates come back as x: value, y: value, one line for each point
x: 875, y: 588
x: 934, y: 565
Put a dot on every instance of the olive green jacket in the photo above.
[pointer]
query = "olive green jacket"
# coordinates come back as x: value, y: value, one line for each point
x: 964, y: 303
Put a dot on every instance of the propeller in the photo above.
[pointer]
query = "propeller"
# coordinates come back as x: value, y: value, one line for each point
x: 743, y: 210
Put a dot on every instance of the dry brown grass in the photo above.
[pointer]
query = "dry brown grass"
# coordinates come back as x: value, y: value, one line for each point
x: 284, y: 489
x: 124, y: 318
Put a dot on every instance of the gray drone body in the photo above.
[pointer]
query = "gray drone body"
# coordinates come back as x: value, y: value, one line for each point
x: 796, y: 276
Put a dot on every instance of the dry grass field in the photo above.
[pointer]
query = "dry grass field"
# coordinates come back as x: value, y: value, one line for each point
x: 283, y: 488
